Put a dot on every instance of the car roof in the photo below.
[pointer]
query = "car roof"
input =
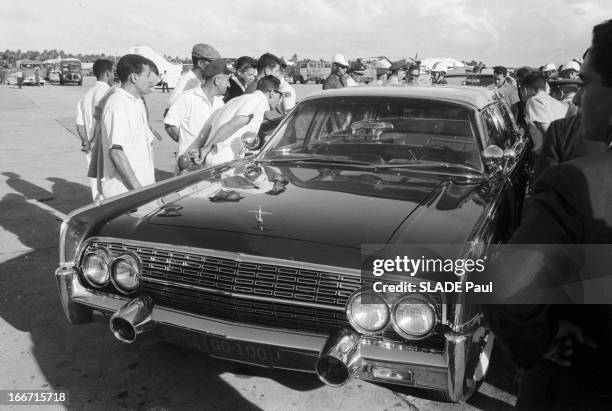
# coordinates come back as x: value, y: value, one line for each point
x: 477, y: 97
x: 564, y: 81
x: 469, y: 74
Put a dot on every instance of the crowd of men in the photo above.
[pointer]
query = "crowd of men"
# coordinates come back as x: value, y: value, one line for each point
x: 216, y: 104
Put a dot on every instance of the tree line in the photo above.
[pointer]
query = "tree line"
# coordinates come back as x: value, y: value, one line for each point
x: 9, y: 57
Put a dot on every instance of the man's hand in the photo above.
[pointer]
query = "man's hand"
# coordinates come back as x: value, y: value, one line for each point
x: 568, y: 337
x: 86, y: 147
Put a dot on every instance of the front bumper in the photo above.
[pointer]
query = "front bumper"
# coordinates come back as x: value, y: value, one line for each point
x: 382, y: 361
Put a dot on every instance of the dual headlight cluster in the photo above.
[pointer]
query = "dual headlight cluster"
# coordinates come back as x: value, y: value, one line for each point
x: 123, y: 271
x: 412, y: 316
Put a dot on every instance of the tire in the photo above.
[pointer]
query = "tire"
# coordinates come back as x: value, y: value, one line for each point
x: 440, y: 396
x: 80, y: 82
x: 302, y: 80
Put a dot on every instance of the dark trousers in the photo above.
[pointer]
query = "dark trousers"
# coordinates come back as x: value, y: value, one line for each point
x: 19, y: 82
x: 165, y: 87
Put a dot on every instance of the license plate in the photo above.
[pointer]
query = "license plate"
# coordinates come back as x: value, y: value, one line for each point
x: 240, y: 351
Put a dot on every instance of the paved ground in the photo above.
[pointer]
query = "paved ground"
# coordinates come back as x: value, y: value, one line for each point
x: 41, y: 180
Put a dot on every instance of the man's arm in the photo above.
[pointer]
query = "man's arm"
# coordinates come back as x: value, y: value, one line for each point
x: 82, y: 132
x: 124, y: 168
x: 548, y: 155
x: 229, y: 128
x: 173, y: 132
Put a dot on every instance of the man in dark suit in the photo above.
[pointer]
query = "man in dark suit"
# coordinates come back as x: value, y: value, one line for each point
x: 565, y: 349
x: 564, y: 142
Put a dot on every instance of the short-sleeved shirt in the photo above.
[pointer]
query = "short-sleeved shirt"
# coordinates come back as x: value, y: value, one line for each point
x: 188, y: 81
x: 542, y: 108
x: 508, y: 92
x: 124, y: 123
x: 289, y: 97
x: 189, y: 113
x: 87, y: 105
x: 255, y: 104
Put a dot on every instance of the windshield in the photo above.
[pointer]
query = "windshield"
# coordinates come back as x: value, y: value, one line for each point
x: 71, y: 67
x: 378, y: 131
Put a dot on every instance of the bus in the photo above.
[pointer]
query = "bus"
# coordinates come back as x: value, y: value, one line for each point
x: 70, y: 71
x: 28, y: 68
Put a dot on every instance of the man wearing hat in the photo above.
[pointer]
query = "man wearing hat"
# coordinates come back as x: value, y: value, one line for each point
x: 414, y: 75
x: 356, y: 75
x: 550, y: 71
x: 201, y: 55
x: 337, y: 78
x: 187, y: 116
x: 397, y: 72
x: 438, y: 71
x: 570, y: 70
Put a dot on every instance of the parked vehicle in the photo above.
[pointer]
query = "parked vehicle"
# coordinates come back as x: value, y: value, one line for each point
x: 70, y: 71
x: 562, y: 88
x: 311, y: 70
x: 28, y: 67
x: 470, y: 79
x: 259, y: 260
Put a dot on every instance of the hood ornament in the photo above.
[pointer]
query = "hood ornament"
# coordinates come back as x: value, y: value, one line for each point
x: 259, y: 214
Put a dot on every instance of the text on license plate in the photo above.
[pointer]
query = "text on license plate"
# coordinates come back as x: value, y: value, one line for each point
x: 239, y: 350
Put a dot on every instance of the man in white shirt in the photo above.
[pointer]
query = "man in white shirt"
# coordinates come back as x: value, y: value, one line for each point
x: 241, y: 116
x: 541, y: 109
x: 164, y: 82
x: 85, y: 122
x: 191, y: 110
x: 126, y: 136
x: 201, y: 56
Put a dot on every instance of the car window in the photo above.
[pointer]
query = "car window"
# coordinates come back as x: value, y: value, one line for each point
x: 493, y: 129
x: 507, y: 123
x: 381, y: 130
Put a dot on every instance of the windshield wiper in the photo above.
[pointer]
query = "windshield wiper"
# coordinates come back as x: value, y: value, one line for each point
x: 430, y: 165
x: 312, y: 159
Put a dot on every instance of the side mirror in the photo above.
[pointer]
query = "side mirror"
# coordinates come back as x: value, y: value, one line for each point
x: 493, y: 157
x: 250, y: 140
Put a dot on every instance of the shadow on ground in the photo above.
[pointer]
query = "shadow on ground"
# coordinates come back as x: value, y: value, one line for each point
x: 98, y: 371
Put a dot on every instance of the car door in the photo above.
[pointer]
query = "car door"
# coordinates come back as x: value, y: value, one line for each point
x: 506, y: 188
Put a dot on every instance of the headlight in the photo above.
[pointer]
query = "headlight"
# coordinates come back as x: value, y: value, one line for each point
x: 95, y: 268
x: 414, y: 316
x: 370, y: 317
x: 125, y: 273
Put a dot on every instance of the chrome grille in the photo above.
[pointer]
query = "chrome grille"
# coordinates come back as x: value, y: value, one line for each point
x: 260, y: 294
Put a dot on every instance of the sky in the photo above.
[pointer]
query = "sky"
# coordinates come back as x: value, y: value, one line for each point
x: 509, y: 32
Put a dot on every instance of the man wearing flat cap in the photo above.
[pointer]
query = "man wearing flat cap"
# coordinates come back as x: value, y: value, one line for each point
x: 192, y: 109
x: 397, y: 72
x: 201, y: 55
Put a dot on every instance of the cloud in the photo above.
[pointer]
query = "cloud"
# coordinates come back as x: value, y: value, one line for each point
x: 496, y: 32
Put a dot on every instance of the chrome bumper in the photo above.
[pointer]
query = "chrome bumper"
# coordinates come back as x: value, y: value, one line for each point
x: 382, y: 361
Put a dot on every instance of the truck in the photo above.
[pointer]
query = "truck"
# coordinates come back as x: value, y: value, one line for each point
x: 311, y: 70
x: 70, y: 71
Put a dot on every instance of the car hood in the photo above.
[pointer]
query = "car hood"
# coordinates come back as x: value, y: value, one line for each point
x: 335, y: 206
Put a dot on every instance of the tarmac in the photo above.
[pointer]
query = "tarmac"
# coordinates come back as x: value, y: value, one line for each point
x: 42, y: 179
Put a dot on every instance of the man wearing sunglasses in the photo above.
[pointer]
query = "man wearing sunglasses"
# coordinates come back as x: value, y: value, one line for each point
x: 240, y: 117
